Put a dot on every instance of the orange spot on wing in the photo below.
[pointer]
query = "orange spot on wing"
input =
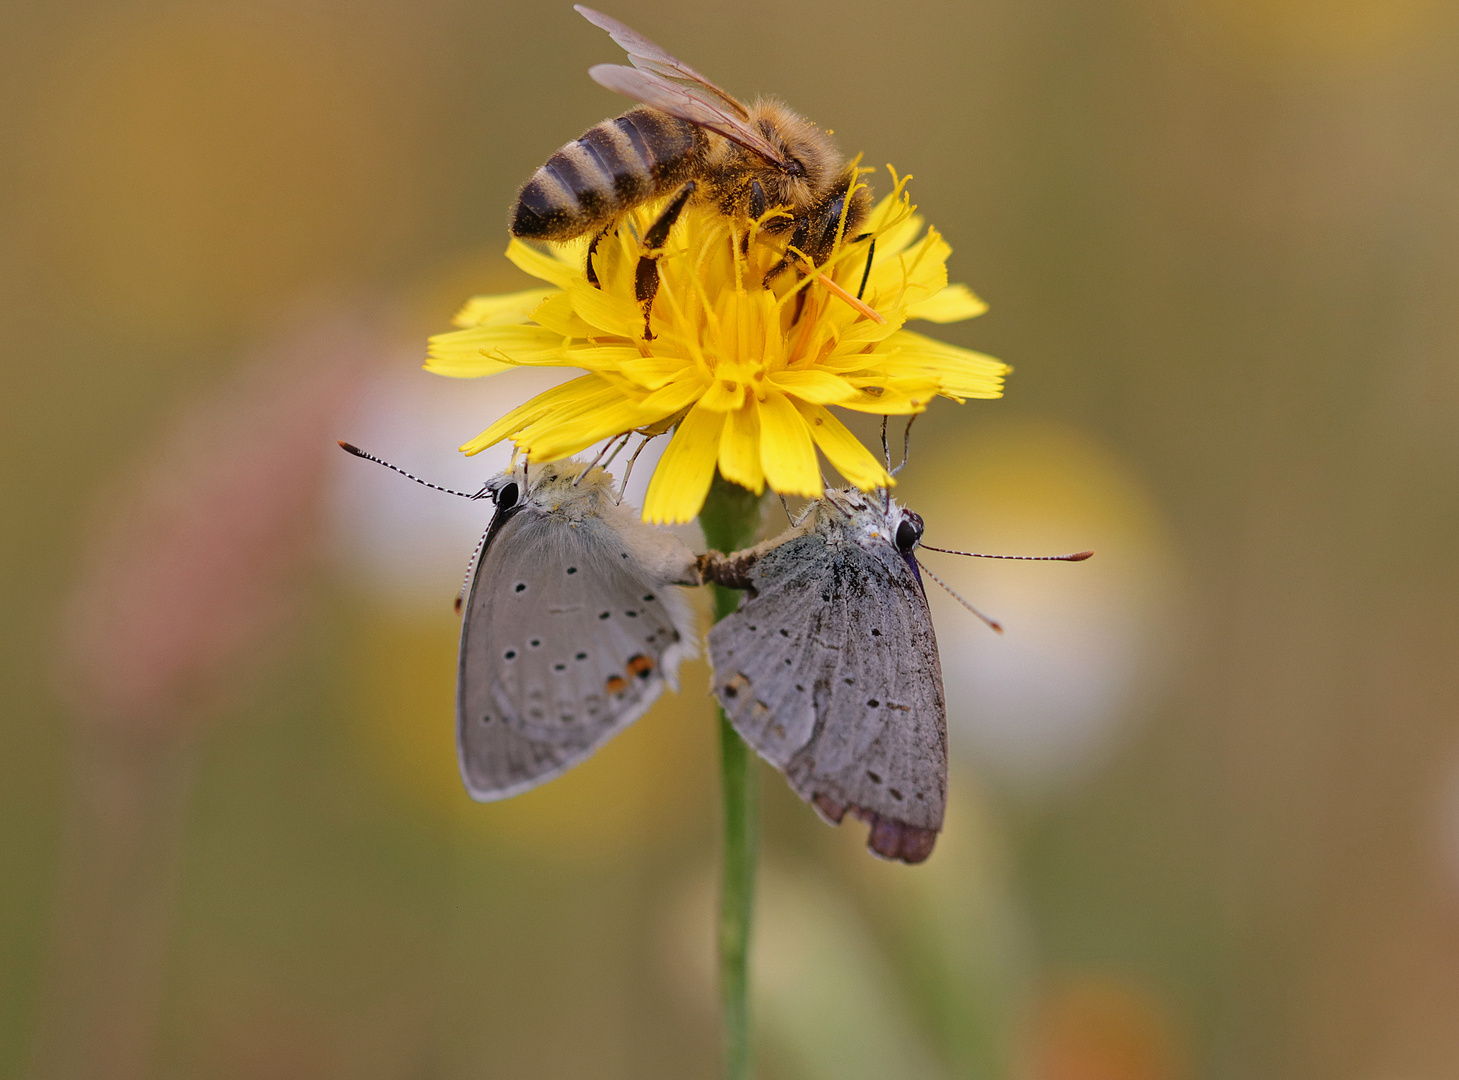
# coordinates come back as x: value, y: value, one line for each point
x: 616, y: 684
x: 640, y: 665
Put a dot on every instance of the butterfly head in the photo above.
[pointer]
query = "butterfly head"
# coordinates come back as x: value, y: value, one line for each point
x: 555, y: 485
x: 875, y: 520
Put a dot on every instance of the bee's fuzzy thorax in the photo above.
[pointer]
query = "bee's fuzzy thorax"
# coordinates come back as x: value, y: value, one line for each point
x: 799, y: 140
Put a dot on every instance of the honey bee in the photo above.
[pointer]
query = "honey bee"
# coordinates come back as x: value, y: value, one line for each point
x: 688, y: 135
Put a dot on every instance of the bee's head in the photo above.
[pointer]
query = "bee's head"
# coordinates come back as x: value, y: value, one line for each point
x: 811, y: 162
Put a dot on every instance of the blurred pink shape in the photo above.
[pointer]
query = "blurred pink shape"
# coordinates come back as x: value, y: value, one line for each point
x: 199, y: 555
x: 191, y: 574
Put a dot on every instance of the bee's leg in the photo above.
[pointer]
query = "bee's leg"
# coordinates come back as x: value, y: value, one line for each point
x: 756, y: 210
x: 592, y: 274
x: 797, y: 241
x: 646, y: 276
x: 757, y: 201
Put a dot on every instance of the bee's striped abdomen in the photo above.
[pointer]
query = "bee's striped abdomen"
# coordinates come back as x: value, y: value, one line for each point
x: 614, y: 166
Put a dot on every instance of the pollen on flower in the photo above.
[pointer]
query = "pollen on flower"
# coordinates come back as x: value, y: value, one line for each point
x: 743, y: 347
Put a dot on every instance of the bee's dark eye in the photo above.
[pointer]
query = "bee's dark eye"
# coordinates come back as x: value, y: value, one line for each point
x: 793, y: 167
x: 909, y: 532
x: 506, y: 498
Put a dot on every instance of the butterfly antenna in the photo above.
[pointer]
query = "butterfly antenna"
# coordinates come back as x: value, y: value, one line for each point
x: 886, y: 450
x: 351, y: 448
x: 628, y: 469
x: 1078, y: 556
x: 470, y: 566
x: 906, y: 444
x: 994, y: 626
x: 785, y: 505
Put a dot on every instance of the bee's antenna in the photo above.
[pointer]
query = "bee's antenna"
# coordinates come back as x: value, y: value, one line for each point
x: 351, y: 448
x: 1078, y: 556
x: 470, y: 568
x: 906, y: 443
x: 995, y: 627
x: 866, y: 274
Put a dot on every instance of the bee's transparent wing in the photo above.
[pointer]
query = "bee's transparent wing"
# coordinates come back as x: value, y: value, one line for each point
x: 646, y: 56
x: 685, y: 102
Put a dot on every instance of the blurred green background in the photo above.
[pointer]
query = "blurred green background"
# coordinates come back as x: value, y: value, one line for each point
x: 1205, y: 817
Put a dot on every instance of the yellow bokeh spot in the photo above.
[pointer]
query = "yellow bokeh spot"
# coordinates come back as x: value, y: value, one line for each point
x: 648, y: 787
x: 1318, y: 36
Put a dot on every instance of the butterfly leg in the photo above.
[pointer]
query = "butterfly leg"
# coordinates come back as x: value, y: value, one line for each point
x: 646, y: 276
x: 732, y: 571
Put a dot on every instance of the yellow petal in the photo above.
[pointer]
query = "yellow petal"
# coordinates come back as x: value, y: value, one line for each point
x: 843, y: 449
x: 820, y: 387
x: 786, y: 452
x: 557, y: 315
x: 890, y: 397
x: 670, y: 400
x: 486, y: 350
x: 896, y: 239
x: 583, y: 392
x: 541, y: 265
x: 563, y: 433
x: 960, y: 373
x: 654, y: 372
x: 602, y: 357
x: 911, y: 277
x: 739, y: 448
x: 952, y: 304
x: 618, y: 315
x: 676, y: 492
x: 499, y: 310
x: 724, y: 395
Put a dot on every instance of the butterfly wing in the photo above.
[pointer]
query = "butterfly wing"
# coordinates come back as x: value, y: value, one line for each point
x: 567, y: 640
x: 831, y: 673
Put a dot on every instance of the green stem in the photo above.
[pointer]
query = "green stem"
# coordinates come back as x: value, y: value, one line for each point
x: 731, y: 521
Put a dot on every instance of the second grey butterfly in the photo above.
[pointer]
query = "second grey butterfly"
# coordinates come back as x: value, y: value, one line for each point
x: 829, y: 668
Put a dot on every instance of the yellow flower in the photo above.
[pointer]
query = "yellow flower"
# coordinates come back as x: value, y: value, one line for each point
x: 743, y: 371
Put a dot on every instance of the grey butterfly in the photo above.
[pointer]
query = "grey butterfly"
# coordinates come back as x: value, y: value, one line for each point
x: 829, y: 668
x: 574, y: 624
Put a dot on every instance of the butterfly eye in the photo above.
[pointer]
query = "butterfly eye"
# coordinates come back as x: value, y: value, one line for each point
x: 909, y: 532
x: 506, y: 498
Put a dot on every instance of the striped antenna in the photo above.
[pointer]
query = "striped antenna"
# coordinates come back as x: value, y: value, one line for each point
x: 351, y: 448
x: 1078, y: 556
x: 471, y: 566
x: 995, y: 627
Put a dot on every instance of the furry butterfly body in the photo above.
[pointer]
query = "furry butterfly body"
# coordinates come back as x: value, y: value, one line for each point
x: 574, y: 623
x: 829, y: 668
